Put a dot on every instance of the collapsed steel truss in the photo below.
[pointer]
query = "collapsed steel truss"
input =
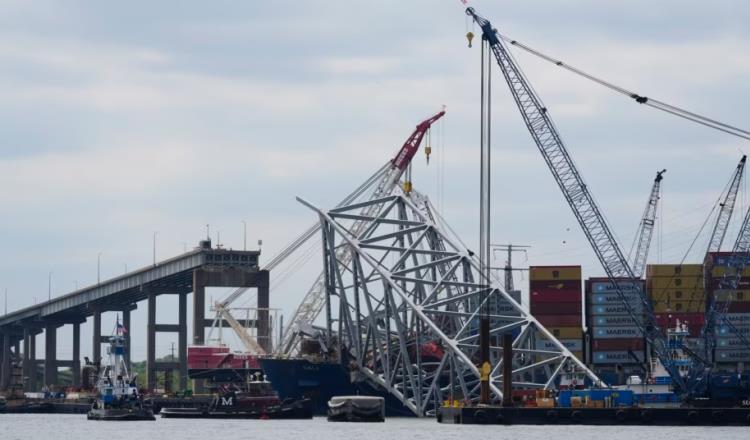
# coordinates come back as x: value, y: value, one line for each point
x: 404, y: 308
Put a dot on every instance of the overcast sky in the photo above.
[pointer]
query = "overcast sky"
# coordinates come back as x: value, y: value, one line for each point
x: 121, y: 119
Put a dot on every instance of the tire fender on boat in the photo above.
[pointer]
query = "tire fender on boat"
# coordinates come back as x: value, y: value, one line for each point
x: 717, y: 416
x: 647, y: 415
x: 480, y: 417
x: 621, y: 415
x: 576, y: 416
x: 552, y: 415
x: 693, y: 417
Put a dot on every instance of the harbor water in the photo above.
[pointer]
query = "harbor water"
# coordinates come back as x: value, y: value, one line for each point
x: 63, y: 427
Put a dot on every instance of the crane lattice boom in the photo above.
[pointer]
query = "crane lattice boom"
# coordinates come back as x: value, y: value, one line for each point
x: 576, y: 192
x: 646, y: 228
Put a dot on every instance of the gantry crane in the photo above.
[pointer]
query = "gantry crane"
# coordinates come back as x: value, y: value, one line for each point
x: 646, y: 227
x: 576, y: 192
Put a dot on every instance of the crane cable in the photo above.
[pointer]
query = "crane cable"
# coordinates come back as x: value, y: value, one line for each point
x: 659, y: 105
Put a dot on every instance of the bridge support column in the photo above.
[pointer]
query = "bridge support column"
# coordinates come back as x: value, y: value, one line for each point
x: 264, y: 330
x: 5, y: 370
x: 50, y: 354
x: 26, y: 365
x: 76, y: 354
x: 96, y: 337
x: 151, y: 342
x: 33, y: 370
x: 182, y: 340
x: 126, y: 324
x: 199, y: 306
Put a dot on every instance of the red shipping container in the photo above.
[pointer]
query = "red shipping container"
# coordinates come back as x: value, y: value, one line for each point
x: 739, y: 307
x: 555, y: 296
x: 694, y: 321
x: 554, y: 285
x: 562, y: 308
x: 617, y: 344
x: 560, y: 320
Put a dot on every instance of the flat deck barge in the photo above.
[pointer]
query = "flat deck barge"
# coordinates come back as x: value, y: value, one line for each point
x: 498, y: 415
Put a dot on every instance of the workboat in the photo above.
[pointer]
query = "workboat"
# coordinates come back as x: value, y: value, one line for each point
x: 118, y: 397
x: 255, y: 400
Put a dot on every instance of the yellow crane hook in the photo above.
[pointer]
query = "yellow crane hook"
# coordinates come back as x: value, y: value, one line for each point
x: 469, y: 36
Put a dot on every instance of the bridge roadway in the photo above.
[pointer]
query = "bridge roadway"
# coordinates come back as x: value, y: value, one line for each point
x: 183, y: 275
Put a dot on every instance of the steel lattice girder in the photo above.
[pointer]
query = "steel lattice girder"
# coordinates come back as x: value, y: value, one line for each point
x: 406, y: 305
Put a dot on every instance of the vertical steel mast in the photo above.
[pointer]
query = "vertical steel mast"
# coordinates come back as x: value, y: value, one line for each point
x: 576, y: 192
x: 646, y: 228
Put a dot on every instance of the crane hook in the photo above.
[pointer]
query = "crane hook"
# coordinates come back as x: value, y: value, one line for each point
x: 469, y: 36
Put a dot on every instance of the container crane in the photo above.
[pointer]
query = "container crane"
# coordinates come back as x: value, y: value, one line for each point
x: 576, y: 192
x: 719, y: 303
x: 726, y: 209
x: 646, y: 228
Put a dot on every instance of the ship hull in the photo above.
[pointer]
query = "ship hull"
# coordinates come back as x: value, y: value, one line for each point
x: 320, y: 381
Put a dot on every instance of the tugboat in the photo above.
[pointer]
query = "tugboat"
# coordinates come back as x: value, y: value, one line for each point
x: 118, y: 397
x: 257, y: 400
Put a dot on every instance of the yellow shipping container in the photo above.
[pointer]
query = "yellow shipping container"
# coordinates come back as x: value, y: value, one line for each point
x: 681, y: 282
x: 566, y: 332
x: 547, y: 273
x: 679, y: 306
x: 667, y: 270
x: 675, y: 294
x: 736, y: 296
x: 718, y: 272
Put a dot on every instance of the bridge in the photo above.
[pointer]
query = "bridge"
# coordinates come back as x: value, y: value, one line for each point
x: 186, y: 274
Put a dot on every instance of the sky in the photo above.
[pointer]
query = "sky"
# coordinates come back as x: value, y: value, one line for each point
x: 119, y: 120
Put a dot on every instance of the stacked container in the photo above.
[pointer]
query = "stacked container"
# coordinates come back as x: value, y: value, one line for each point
x: 614, y: 337
x: 677, y: 293
x: 556, y: 300
x: 731, y: 353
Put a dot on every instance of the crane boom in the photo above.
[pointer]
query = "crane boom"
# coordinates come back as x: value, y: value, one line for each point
x: 726, y: 209
x: 576, y: 192
x: 314, y: 300
x: 646, y: 228
x: 720, y: 301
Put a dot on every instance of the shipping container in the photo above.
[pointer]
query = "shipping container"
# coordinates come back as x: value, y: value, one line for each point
x: 554, y: 273
x: 734, y: 295
x: 616, y: 357
x: 575, y: 345
x: 548, y: 308
x: 738, y: 318
x: 717, y: 259
x: 679, y: 306
x: 604, y: 285
x: 725, y: 343
x: 617, y: 344
x: 615, y: 309
x: 725, y: 330
x: 614, y: 298
x: 676, y: 294
x: 694, y: 282
x: 616, y: 333
x: 694, y: 321
x: 560, y: 320
x: 566, y: 332
x: 555, y: 285
x: 739, y: 307
x: 667, y: 270
x: 613, y: 320
x: 555, y: 296
x: 732, y: 355
x: 718, y: 272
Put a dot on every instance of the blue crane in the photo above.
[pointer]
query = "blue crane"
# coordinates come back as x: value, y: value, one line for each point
x: 576, y: 193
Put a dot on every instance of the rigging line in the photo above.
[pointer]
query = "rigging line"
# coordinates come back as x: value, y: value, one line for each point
x: 660, y: 105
